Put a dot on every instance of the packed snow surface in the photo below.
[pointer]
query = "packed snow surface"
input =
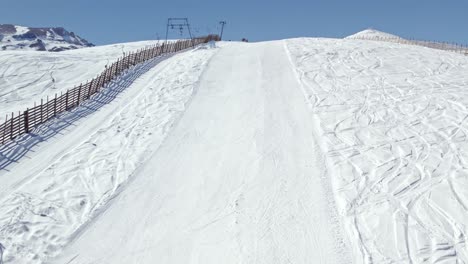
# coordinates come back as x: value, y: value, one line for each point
x: 294, y: 151
x: 393, y: 127
x: 239, y: 180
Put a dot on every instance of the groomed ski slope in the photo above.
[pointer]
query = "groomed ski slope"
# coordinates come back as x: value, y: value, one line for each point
x: 294, y: 151
x: 240, y: 179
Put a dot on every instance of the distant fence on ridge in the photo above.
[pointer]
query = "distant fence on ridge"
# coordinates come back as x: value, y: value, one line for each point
x: 453, y: 47
x: 25, y: 121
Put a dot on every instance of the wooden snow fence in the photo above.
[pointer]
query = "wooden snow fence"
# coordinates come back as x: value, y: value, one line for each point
x: 23, y: 122
x: 448, y: 46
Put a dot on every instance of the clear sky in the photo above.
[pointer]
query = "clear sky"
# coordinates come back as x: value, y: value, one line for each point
x: 113, y: 21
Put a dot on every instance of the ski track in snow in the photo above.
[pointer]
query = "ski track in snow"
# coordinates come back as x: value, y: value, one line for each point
x: 239, y: 179
x: 39, y: 217
x: 393, y: 121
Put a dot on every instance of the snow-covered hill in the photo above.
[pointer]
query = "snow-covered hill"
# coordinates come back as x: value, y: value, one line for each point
x: 13, y: 37
x: 295, y: 151
x: 372, y: 34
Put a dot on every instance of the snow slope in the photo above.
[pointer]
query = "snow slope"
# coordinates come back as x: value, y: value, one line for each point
x: 393, y: 122
x: 239, y: 180
x: 65, y: 182
x: 372, y: 34
x: 28, y: 76
x: 295, y: 151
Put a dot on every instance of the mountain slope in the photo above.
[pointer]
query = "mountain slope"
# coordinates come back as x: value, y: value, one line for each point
x: 14, y: 37
x: 110, y: 143
x: 240, y: 179
x: 394, y: 130
x: 213, y: 155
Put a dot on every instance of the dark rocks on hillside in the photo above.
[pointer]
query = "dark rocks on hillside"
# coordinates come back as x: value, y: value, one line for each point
x: 57, y: 49
x: 7, y: 29
x: 38, y: 45
x: 25, y: 36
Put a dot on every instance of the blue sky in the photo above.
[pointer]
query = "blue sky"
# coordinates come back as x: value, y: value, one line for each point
x: 106, y: 21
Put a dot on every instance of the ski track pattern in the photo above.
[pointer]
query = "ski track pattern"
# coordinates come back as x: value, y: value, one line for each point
x: 39, y: 218
x: 393, y: 121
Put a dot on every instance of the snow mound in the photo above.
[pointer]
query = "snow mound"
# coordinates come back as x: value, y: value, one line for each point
x: 372, y: 33
x: 14, y: 37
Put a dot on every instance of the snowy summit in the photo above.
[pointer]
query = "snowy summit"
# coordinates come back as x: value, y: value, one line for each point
x: 372, y: 33
x: 14, y: 37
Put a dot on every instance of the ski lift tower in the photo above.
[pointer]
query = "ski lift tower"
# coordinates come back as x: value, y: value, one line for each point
x: 180, y: 24
x: 222, y: 28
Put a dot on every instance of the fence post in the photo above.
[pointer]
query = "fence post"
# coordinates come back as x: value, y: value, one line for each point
x: 91, y: 83
x: 26, y: 121
x: 114, y: 70
x: 47, y: 109
x: 116, y: 67
x: 42, y: 101
x: 102, y: 81
x: 89, y: 92
x: 79, y: 95
x: 11, y: 125
x: 66, y: 101
x: 55, y: 105
x: 99, y: 83
x: 95, y: 82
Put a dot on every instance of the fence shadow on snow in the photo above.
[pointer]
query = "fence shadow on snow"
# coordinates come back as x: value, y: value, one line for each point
x: 14, y: 150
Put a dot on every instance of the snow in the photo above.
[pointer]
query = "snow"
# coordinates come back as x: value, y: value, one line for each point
x: 28, y: 76
x: 238, y: 179
x: 393, y: 129
x: 47, y: 200
x: 372, y: 34
x: 21, y: 30
x: 14, y: 37
x: 294, y: 151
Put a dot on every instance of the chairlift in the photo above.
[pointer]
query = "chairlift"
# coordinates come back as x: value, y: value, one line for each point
x: 178, y: 24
